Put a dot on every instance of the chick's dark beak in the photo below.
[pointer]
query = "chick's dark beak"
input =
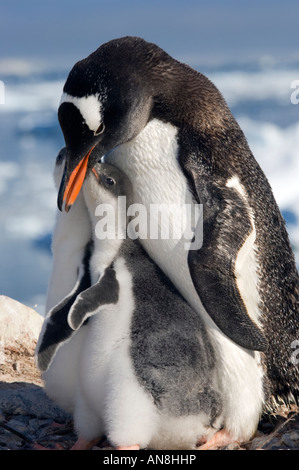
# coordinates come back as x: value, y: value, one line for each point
x: 71, y: 184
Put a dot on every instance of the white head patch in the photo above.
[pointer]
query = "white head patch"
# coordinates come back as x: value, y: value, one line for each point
x: 89, y: 107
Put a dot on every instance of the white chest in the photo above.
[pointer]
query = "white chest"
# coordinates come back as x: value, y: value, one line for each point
x: 162, y: 194
x: 150, y: 161
x: 72, y: 233
x: 105, y: 353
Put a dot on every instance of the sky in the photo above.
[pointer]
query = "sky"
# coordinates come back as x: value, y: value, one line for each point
x: 208, y: 31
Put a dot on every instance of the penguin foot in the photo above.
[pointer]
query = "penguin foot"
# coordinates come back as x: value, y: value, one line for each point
x: 84, y: 444
x: 134, y: 447
x: 55, y: 446
x: 220, y: 439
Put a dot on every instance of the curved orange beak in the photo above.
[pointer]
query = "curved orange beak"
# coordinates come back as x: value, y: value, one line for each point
x: 75, y: 182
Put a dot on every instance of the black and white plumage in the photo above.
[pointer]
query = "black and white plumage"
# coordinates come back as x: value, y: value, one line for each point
x: 67, y: 250
x: 168, y: 128
x: 147, y: 372
x: 70, y: 273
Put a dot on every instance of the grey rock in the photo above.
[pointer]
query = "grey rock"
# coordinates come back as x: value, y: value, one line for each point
x: 19, y: 423
x: 10, y: 441
x: 30, y: 400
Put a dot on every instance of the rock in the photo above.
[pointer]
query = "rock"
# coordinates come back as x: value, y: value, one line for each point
x: 19, y: 330
x: 29, y: 399
x: 27, y: 415
x: 18, y: 322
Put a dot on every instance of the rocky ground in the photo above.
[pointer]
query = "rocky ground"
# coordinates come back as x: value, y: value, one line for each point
x: 29, y: 420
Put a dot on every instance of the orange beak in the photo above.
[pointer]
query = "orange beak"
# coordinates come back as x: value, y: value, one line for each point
x: 96, y: 174
x: 75, y: 182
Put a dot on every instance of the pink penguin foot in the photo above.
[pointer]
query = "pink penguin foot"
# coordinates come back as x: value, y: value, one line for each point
x: 55, y: 446
x: 84, y: 444
x: 133, y: 447
x: 220, y: 439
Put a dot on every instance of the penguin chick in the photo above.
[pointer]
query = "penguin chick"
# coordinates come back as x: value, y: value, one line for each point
x: 148, y: 375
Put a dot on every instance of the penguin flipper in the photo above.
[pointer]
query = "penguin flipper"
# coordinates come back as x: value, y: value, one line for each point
x: 56, y: 332
x: 226, y: 225
x: 88, y: 303
x: 56, y: 329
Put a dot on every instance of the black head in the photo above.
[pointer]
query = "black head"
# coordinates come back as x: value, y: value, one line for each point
x: 107, y: 100
x: 112, y: 180
x: 110, y: 96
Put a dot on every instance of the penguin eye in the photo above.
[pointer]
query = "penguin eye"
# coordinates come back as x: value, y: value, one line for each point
x: 100, y: 129
x: 109, y: 181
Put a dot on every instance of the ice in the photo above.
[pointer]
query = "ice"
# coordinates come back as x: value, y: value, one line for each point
x: 277, y: 151
x: 8, y: 171
x: 261, y: 85
x: 32, y: 96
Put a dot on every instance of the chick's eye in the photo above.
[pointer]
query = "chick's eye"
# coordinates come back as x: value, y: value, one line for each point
x: 109, y: 181
x: 100, y: 129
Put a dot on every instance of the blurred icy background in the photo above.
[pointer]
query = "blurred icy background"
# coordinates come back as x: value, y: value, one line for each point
x: 249, y: 49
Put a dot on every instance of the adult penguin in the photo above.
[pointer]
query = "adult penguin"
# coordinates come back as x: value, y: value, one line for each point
x: 169, y: 129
